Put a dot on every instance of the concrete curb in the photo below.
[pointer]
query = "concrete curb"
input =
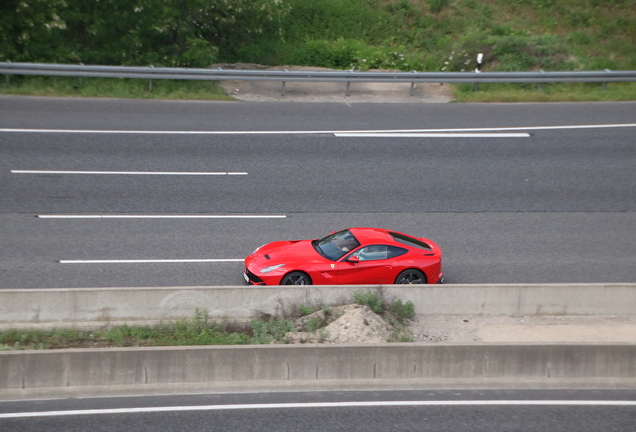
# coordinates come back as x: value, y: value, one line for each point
x: 87, y: 308
x: 166, y: 370
x: 171, y: 370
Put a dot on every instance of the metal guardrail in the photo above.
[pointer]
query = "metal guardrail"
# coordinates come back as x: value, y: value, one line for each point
x: 349, y: 76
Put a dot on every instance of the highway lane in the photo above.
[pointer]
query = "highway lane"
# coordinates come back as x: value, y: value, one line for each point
x: 571, y: 170
x: 128, y: 114
x: 479, y: 248
x: 428, y: 410
x: 557, y: 206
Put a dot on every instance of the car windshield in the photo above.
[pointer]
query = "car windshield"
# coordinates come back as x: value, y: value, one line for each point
x: 335, y: 245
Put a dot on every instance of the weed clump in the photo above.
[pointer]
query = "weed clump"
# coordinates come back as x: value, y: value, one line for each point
x: 371, y: 299
x: 264, y: 332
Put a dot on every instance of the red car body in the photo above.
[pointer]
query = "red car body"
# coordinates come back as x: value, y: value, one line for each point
x: 372, y: 256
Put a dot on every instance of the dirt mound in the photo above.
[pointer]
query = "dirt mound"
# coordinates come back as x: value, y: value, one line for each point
x: 344, y: 324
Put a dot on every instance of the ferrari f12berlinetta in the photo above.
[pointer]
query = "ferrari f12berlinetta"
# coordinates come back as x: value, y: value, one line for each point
x: 350, y: 256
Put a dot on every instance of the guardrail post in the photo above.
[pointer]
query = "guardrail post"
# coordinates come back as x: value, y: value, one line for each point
x: 283, y: 89
x: 604, y: 82
x: 539, y: 83
x: 412, y: 92
x: 347, y: 92
x: 80, y: 77
x: 150, y: 81
x: 8, y: 76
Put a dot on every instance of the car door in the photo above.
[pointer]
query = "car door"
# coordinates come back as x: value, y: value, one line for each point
x: 366, y: 265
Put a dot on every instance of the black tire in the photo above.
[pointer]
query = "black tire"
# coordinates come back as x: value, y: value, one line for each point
x: 411, y: 276
x: 296, y: 278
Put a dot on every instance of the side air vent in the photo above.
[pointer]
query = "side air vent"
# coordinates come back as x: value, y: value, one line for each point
x: 267, y: 257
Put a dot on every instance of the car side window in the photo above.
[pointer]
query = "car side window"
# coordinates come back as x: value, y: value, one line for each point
x: 371, y: 253
x: 394, y: 251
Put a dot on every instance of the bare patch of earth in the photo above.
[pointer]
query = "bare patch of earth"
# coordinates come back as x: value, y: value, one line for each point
x: 358, y: 324
x: 562, y: 329
x: 271, y: 91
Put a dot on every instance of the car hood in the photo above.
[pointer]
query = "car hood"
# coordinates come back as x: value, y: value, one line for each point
x: 285, y: 252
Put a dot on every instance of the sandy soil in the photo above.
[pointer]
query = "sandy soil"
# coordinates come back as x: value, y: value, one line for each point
x: 270, y: 91
x: 358, y: 324
x: 451, y: 328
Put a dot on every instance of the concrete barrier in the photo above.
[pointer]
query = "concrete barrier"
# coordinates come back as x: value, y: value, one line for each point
x: 88, y: 372
x: 98, y: 307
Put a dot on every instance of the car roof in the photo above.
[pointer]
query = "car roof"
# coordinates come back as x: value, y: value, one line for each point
x: 372, y: 235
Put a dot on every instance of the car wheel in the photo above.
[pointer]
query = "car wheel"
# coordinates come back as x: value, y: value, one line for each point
x: 411, y: 276
x: 296, y: 278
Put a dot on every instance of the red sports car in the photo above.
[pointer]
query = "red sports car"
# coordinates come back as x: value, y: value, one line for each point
x: 351, y: 256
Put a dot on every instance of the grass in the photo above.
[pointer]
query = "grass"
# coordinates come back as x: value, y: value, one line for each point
x: 571, y: 92
x: 195, y: 331
x: 113, y: 88
x: 423, y: 35
x: 200, y: 331
x: 205, y: 90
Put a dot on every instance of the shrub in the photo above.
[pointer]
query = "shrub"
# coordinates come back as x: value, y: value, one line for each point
x: 305, y: 310
x: 313, y: 324
x: 371, y: 299
x: 403, y: 310
x: 352, y: 53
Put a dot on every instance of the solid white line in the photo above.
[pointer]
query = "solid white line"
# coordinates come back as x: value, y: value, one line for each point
x: 322, y: 405
x: 161, y: 216
x: 433, y: 135
x: 287, y: 132
x: 129, y: 172
x: 148, y: 261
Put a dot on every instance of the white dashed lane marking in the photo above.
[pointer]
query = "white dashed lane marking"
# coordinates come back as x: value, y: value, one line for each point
x: 118, y: 216
x: 184, y: 173
x: 151, y: 261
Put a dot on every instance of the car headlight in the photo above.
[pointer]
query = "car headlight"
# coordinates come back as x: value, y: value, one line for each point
x: 271, y: 268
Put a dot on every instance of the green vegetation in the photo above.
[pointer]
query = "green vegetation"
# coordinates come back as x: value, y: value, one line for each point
x: 195, y: 331
x: 426, y: 35
x: 423, y: 35
x: 305, y: 310
x: 200, y: 331
x: 267, y: 331
x: 571, y: 92
x: 113, y: 87
x: 369, y: 298
x: 314, y: 323
x: 403, y: 310
x: 377, y: 304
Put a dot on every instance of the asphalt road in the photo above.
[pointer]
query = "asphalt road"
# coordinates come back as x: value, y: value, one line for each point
x: 556, y: 205
x: 439, y: 410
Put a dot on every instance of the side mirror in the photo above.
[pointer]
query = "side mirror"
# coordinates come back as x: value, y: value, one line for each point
x: 353, y: 259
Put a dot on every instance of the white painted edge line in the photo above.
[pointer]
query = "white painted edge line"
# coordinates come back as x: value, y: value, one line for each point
x: 150, y: 261
x: 321, y: 405
x: 161, y: 216
x: 155, y: 132
x: 433, y: 135
x: 130, y: 172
